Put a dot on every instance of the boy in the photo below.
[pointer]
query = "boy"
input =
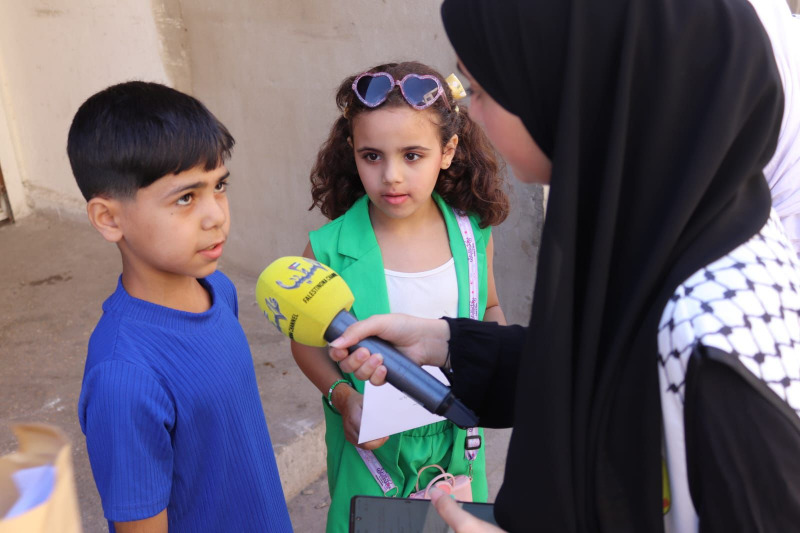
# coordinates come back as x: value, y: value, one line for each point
x: 169, y: 405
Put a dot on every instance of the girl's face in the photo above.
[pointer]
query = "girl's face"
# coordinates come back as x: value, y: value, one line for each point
x: 399, y: 155
x: 508, y: 134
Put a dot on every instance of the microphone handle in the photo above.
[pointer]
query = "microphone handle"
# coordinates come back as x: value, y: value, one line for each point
x: 402, y: 372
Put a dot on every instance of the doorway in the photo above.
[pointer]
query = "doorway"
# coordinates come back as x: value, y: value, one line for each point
x: 5, y: 210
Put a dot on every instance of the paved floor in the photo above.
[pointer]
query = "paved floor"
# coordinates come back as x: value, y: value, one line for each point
x: 54, y: 274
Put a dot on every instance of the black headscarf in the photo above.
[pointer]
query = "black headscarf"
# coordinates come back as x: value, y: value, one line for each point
x: 658, y: 116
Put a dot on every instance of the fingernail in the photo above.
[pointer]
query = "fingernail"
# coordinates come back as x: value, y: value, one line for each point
x: 337, y: 342
x: 452, y: 496
x: 361, y: 356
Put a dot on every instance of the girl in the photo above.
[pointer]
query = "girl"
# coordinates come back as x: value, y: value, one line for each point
x: 399, y: 166
x: 658, y: 384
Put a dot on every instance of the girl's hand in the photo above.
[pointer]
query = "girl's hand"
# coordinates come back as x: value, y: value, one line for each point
x: 457, y: 518
x: 422, y: 340
x: 350, y: 404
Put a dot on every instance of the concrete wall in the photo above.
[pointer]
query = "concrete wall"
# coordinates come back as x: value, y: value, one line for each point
x: 53, y: 54
x: 267, y: 68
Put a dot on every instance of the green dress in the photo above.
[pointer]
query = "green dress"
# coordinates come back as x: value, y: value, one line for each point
x: 349, y: 246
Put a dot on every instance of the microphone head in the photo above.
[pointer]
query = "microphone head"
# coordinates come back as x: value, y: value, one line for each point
x: 301, y: 297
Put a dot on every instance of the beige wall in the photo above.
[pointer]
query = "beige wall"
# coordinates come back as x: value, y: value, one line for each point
x: 53, y: 54
x: 267, y: 68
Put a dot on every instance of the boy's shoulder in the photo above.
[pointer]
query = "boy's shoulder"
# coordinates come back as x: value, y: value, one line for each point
x: 223, y: 287
x: 129, y: 328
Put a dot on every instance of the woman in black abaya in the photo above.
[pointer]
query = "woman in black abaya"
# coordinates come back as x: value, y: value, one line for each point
x: 658, y: 384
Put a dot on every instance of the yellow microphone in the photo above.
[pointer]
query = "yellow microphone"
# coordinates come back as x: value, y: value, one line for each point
x: 310, y: 303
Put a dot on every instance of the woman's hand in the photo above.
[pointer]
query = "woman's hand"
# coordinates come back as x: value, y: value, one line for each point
x: 350, y: 403
x: 457, y: 518
x: 422, y: 340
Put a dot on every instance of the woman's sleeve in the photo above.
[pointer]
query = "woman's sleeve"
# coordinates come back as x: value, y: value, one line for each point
x: 742, y: 448
x: 484, y: 358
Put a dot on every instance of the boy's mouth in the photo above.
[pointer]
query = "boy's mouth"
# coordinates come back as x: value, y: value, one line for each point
x: 213, y: 252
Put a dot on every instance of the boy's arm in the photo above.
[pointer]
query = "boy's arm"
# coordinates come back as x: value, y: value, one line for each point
x: 154, y: 524
x: 127, y: 417
x: 493, y: 311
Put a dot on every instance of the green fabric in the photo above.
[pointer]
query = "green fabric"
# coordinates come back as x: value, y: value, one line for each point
x: 348, y: 245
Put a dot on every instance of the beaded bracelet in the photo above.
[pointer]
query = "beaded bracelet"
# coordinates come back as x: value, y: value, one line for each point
x: 330, y: 392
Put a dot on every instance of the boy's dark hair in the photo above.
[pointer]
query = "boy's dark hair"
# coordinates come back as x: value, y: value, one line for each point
x: 129, y: 135
x: 473, y: 182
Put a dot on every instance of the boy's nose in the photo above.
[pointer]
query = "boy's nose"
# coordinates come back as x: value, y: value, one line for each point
x: 215, y: 213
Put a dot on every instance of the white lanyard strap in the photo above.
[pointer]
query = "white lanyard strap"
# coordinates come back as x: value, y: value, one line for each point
x: 473, y: 441
x: 472, y: 261
x: 382, y: 477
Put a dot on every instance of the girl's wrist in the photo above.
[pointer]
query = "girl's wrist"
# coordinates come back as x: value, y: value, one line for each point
x: 339, y: 395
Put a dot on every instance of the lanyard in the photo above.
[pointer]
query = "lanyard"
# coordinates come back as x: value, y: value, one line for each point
x: 382, y: 477
x: 472, y: 442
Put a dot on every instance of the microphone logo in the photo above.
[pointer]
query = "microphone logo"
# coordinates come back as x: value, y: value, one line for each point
x: 305, y: 273
x: 272, y: 305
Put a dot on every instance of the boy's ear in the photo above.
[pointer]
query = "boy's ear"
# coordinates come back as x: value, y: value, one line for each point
x: 449, y: 151
x: 104, y: 215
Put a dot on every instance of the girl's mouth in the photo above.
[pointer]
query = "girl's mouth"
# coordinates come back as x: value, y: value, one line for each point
x: 395, y: 199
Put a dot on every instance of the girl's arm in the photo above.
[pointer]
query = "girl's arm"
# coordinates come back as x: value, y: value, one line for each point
x: 323, y: 372
x: 493, y: 311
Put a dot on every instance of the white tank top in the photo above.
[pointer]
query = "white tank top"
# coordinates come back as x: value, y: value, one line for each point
x: 429, y: 294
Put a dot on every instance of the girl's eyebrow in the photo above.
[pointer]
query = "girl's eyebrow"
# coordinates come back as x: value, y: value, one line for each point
x: 368, y: 149
x: 416, y: 148
x: 405, y: 149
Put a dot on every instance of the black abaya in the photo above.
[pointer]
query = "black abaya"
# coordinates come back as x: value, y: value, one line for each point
x: 657, y: 116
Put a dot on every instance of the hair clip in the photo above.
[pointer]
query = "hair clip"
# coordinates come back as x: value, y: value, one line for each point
x: 456, y: 89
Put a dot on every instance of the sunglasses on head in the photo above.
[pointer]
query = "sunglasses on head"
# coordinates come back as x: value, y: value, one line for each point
x: 419, y: 90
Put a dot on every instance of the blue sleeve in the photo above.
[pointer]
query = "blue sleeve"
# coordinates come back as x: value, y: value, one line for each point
x: 127, y: 417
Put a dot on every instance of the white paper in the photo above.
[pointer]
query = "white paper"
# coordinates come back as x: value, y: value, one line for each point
x: 388, y: 411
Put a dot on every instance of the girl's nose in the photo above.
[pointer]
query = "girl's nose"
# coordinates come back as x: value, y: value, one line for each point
x: 392, y: 173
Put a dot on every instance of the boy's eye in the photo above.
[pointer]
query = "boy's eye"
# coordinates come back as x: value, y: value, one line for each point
x: 186, y: 199
x: 222, y: 186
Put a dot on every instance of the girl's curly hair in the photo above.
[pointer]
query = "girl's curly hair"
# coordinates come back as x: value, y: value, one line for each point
x: 473, y: 182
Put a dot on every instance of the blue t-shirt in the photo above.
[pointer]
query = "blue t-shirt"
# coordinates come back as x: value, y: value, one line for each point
x: 173, y: 418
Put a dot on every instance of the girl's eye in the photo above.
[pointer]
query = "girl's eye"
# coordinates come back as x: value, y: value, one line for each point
x: 186, y: 199
x: 371, y: 156
x: 222, y: 186
x: 469, y: 91
x: 412, y: 156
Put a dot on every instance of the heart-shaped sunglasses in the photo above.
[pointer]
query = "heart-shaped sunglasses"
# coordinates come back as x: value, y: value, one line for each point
x: 419, y: 90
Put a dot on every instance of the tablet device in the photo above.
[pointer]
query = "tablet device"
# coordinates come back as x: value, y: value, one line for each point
x: 369, y: 514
